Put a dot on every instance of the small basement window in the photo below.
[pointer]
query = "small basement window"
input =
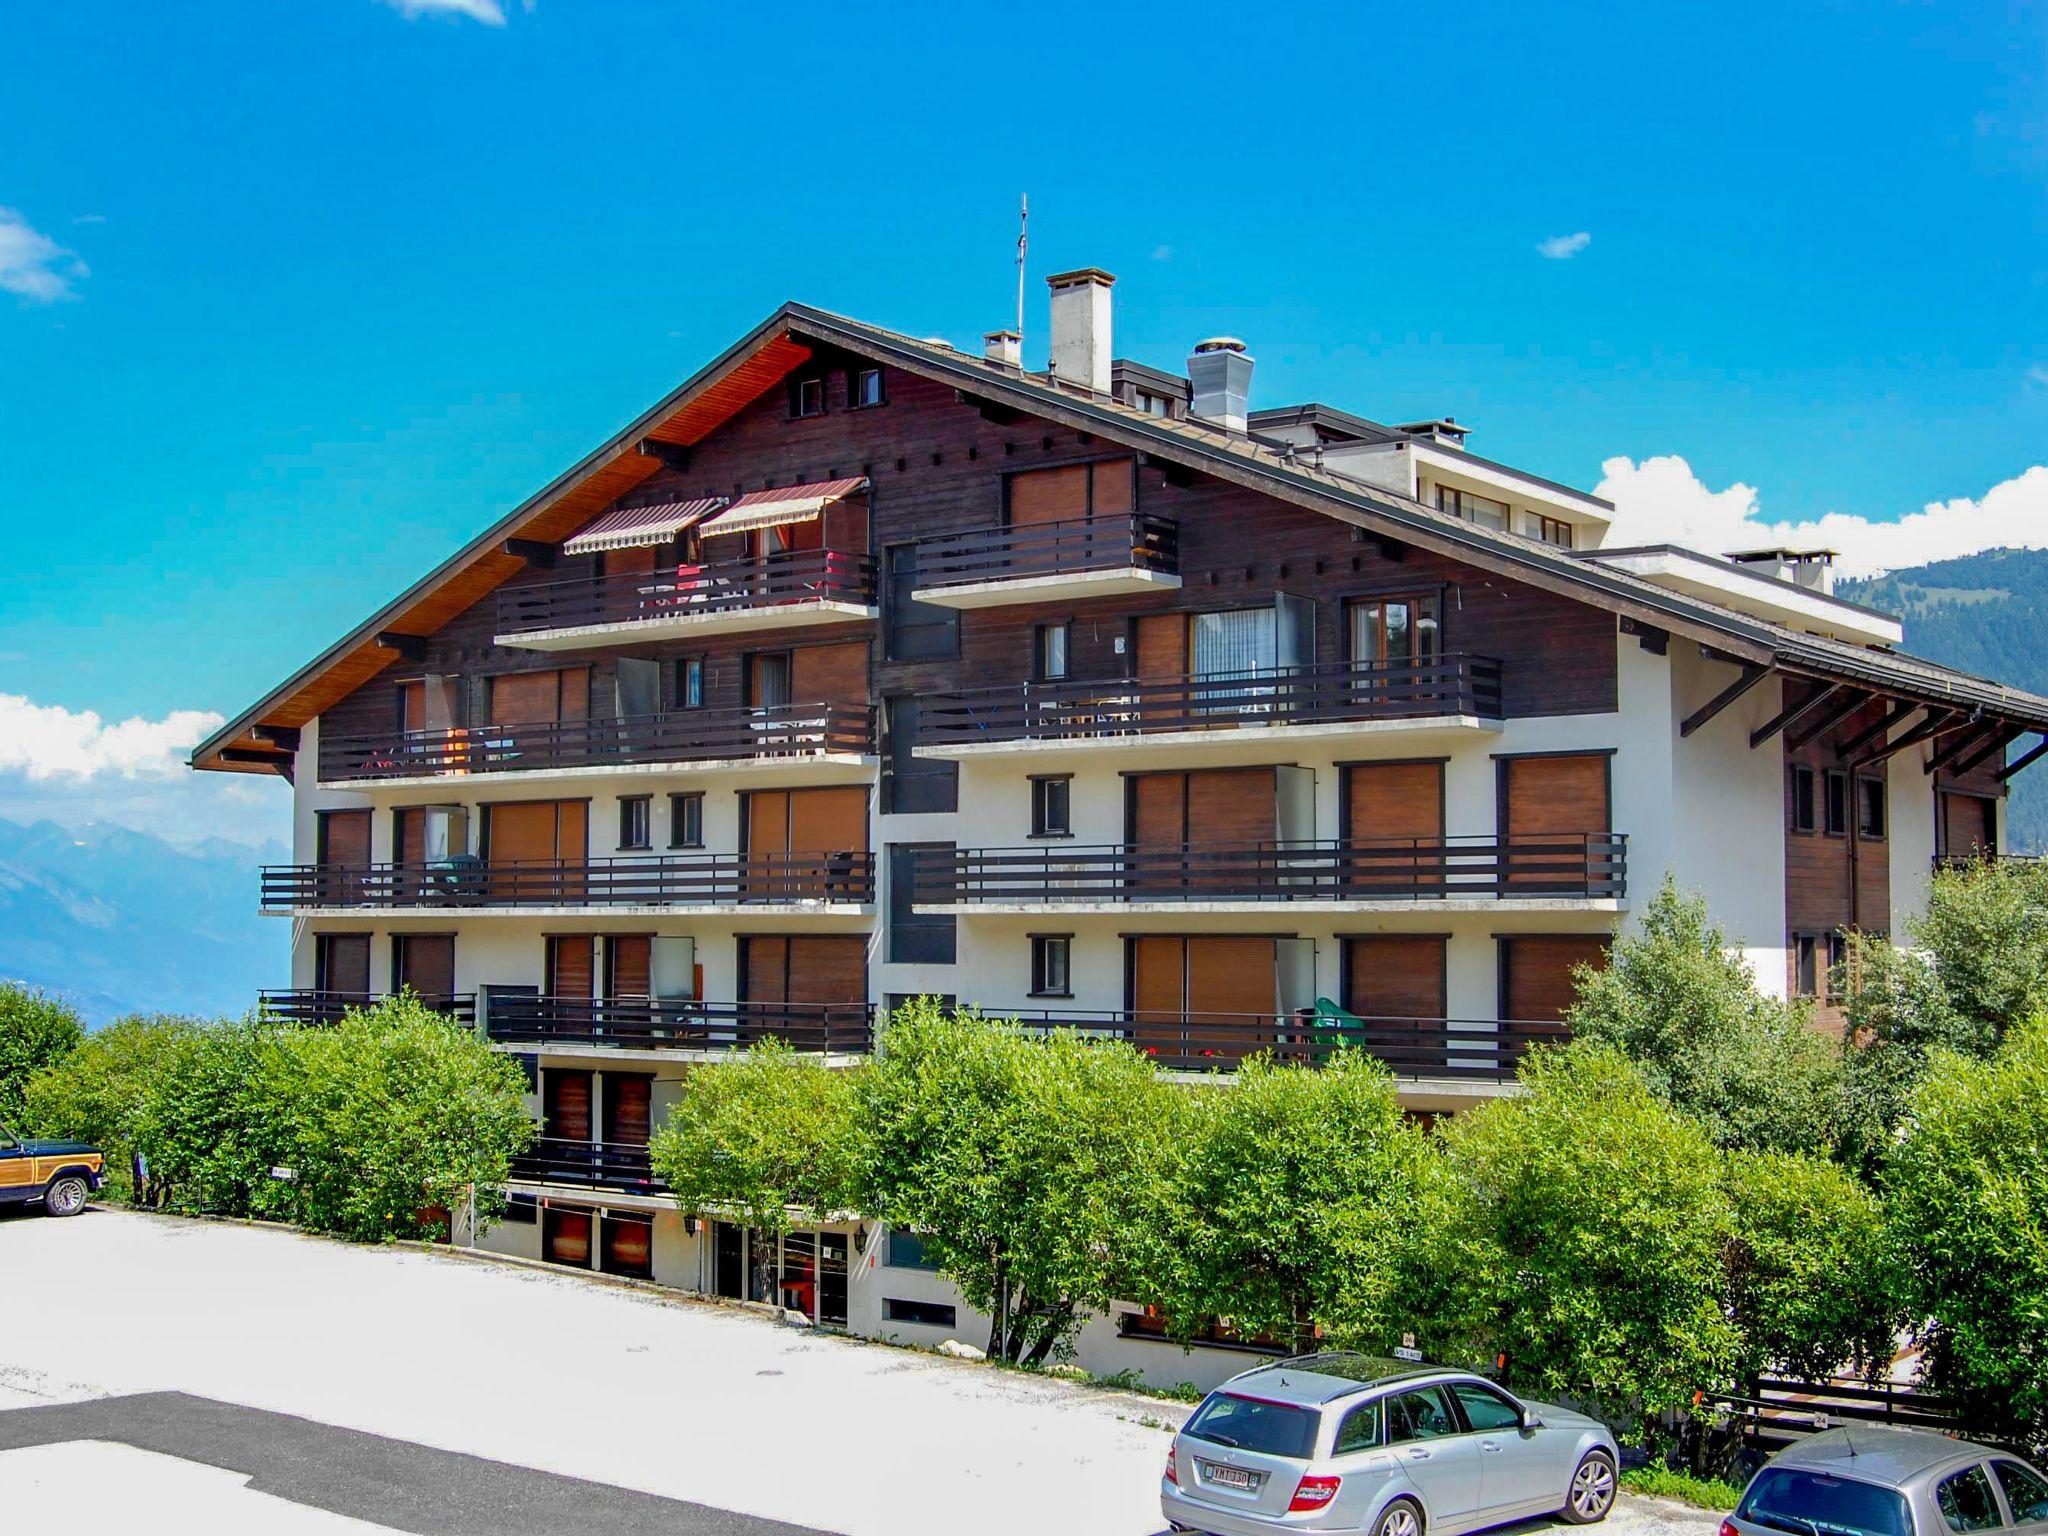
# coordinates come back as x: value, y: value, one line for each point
x: 925, y: 1314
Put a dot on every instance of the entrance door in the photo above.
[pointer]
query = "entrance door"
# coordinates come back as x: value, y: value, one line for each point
x: 1394, y: 828
x: 1551, y: 808
x: 426, y: 963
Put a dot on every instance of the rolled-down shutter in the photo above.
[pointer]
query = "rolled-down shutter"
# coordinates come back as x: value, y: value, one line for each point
x: 1537, y: 986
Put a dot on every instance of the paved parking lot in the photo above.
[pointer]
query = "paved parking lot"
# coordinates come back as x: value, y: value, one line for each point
x: 216, y: 1370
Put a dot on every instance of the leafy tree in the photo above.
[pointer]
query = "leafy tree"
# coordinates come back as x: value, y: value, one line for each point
x: 1035, y: 1164
x: 1810, y: 1281
x: 766, y: 1133
x: 1967, y: 1196
x: 1296, y: 1194
x: 107, y: 1090
x: 35, y: 1030
x: 1986, y: 926
x: 1576, y: 1231
x: 1685, y: 1007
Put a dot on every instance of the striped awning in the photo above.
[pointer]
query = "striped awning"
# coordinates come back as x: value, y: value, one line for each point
x: 633, y: 527
x: 785, y: 504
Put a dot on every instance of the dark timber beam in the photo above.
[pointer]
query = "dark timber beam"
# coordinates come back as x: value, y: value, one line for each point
x: 1971, y: 735
x: 411, y: 647
x: 1790, y: 713
x: 1652, y: 639
x: 1814, y: 730
x: 532, y: 551
x: 2036, y: 751
x: 1177, y: 475
x: 281, y: 766
x: 674, y: 456
x: 1751, y: 676
x: 2002, y: 738
x: 283, y: 737
x: 1865, y: 737
x: 1937, y: 721
x: 990, y: 411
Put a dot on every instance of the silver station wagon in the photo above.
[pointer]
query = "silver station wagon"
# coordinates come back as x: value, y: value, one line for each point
x: 1876, y: 1481
x: 1343, y: 1442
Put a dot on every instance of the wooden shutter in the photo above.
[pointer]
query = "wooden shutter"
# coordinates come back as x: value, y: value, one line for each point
x: 630, y: 959
x: 1968, y: 823
x: 640, y: 561
x: 1538, y: 985
x: 827, y: 970
x: 1158, y: 993
x: 565, y: 1236
x: 831, y: 674
x: 409, y: 835
x: 520, y: 832
x: 531, y: 698
x: 1395, y: 819
x: 343, y: 963
x: 1162, y: 645
x: 1157, y: 810
x: 1550, y: 806
x: 828, y: 820
x: 628, y: 1108
x: 1048, y: 495
x: 1114, y: 486
x: 1229, y: 976
x: 767, y: 821
x: 572, y: 965
x: 412, y: 706
x: 566, y: 1104
x: 426, y: 963
x: 765, y: 968
x: 344, y: 837
x: 1232, y: 805
x: 1394, y: 976
x: 628, y: 1246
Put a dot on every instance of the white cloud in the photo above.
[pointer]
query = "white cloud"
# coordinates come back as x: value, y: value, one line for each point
x: 48, y: 741
x: 489, y: 12
x: 1162, y: 253
x: 32, y: 265
x: 1661, y: 501
x: 1564, y: 247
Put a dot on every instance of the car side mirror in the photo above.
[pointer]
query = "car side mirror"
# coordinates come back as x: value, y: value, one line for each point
x: 1531, y: 1419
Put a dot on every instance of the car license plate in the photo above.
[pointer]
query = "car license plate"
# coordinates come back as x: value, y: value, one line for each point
x: 1231, y: 1477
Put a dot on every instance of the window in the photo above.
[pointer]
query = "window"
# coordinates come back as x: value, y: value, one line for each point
x: 1805, y: 810
x: 1483, y: 510
x: 690, y: 683
x: 907, y: 1251
x: 1052, y: 965
x: 916, y: 631
x: 1154, y: 405
x: 911, y: 784
x: 1250, y: 1424
x: 1360, y: 1430
x: 1836, y: 945
x: 1420, y: 1415
x: 917, y: 937
x: 1836, y: 802
x: 807, y: 397
x: 1394, y: 629
x: 686, y: 820
x: 925, y: 1314
x: 1966, y: 1503
x: 1049, y: 652
x: 864, y: 387
x: 1788, y: 1499
x: 1870, y: 805
x: 1485, y: 1408
x: 636, y: 814
x: 1052, y: 806
x: 521, y: 1210
x: 2024, y: 1491
x: 1551, y: 530
x: 771, y: 680
x: 1244, y: 640
x: 1805, y: 965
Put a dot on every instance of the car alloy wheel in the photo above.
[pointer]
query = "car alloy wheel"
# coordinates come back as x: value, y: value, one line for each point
x: 1592, y: 1488
x: 1400, y: 1520
x: 66, y: 1197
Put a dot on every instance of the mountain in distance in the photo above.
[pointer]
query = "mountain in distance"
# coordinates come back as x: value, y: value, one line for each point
x: 1986, y: 614
x: 118, y: 921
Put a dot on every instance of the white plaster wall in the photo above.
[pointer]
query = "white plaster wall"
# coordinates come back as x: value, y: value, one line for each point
x: 1910, y: 823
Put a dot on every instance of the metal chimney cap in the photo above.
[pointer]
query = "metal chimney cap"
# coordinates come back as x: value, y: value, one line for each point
x: 1005, y: 334
x: 1219, y: 344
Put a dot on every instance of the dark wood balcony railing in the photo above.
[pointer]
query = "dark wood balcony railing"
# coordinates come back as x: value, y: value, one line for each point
x: 1111, y: 542
x: 1072, y: 711
x: 691, y: 591
x: 1193, y: 1041
x: 613, y: 1165
x: 655, y: 881
x: 312, y: 1006
x: 654, y: 1023
x: 1394, y: 869
x: 680, y: 736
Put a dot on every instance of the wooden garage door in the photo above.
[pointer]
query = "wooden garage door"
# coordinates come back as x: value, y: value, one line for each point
x: 628, y: 1108
x: 1550, y: 806
x: 1395, y: 977
x: 426, y: 963
x: 628, y: 1246
x: 833, y: 674
x: 1536, y: 981
x: 565, y: 1104
x: 565, y: 1236
x: 535, y: 698
x: 1394, y: 826
x: 572, y: 965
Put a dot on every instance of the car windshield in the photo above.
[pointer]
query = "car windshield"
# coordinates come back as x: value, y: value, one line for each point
x: 1249, y: 1424
x: 1815, y: 1504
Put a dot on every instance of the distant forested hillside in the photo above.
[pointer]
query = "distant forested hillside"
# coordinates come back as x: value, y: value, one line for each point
x: 1987, y: 614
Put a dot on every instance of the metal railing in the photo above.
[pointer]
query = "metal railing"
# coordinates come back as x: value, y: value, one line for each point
x: 844, y: 875
x: 653, y: 1023
x: 691, y: 591
x: 1589, y: 866
x: 308, y: 1005
x: 1109, y: 542
x: 1071, y: 710
x: 679, y: 736
x: 621, y: 1166
x: 1192, y: 1040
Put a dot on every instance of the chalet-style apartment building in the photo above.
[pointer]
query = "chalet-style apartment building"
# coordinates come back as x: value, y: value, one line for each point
x: 861, y: 667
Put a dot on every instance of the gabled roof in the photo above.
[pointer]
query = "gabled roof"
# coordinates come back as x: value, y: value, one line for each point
x: 794, y: 332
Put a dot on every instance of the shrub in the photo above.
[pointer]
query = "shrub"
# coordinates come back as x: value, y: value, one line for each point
x: 35, y: 1031
x: 107, y: 1090
x: 1967, y: 1188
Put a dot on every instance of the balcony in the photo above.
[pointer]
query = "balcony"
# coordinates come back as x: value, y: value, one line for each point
x: 619, y: 1166
x: 833, y: 1029
x: 1221, y: 709
x: 797, y: 589
x: 313, y: 1006
x: 1523, y: 873
x: 742, y: 882
x: 1082, y: 557
x: 771, y: 737
x: 1478, y: 1050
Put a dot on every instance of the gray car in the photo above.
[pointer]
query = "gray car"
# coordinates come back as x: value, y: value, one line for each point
x: 1343, y: 1442
x: 1875, y: 1481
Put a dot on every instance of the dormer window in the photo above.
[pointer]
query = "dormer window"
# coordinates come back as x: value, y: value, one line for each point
x: 807, y: 397
x: 1154, y: 405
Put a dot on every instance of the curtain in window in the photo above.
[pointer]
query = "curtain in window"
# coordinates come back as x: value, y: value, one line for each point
x: 1243, y: 641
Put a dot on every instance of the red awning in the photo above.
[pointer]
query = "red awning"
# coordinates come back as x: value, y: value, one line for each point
x: 634, y: 527
x: 785, y: 504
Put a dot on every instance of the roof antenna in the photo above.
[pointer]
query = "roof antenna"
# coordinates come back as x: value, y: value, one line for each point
x: 1023, y: 230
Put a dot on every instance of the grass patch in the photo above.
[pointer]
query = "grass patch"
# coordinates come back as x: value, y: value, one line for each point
x: 1663, y: 1483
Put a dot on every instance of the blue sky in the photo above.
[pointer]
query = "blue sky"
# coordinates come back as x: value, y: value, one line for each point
x: 295, y: 296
